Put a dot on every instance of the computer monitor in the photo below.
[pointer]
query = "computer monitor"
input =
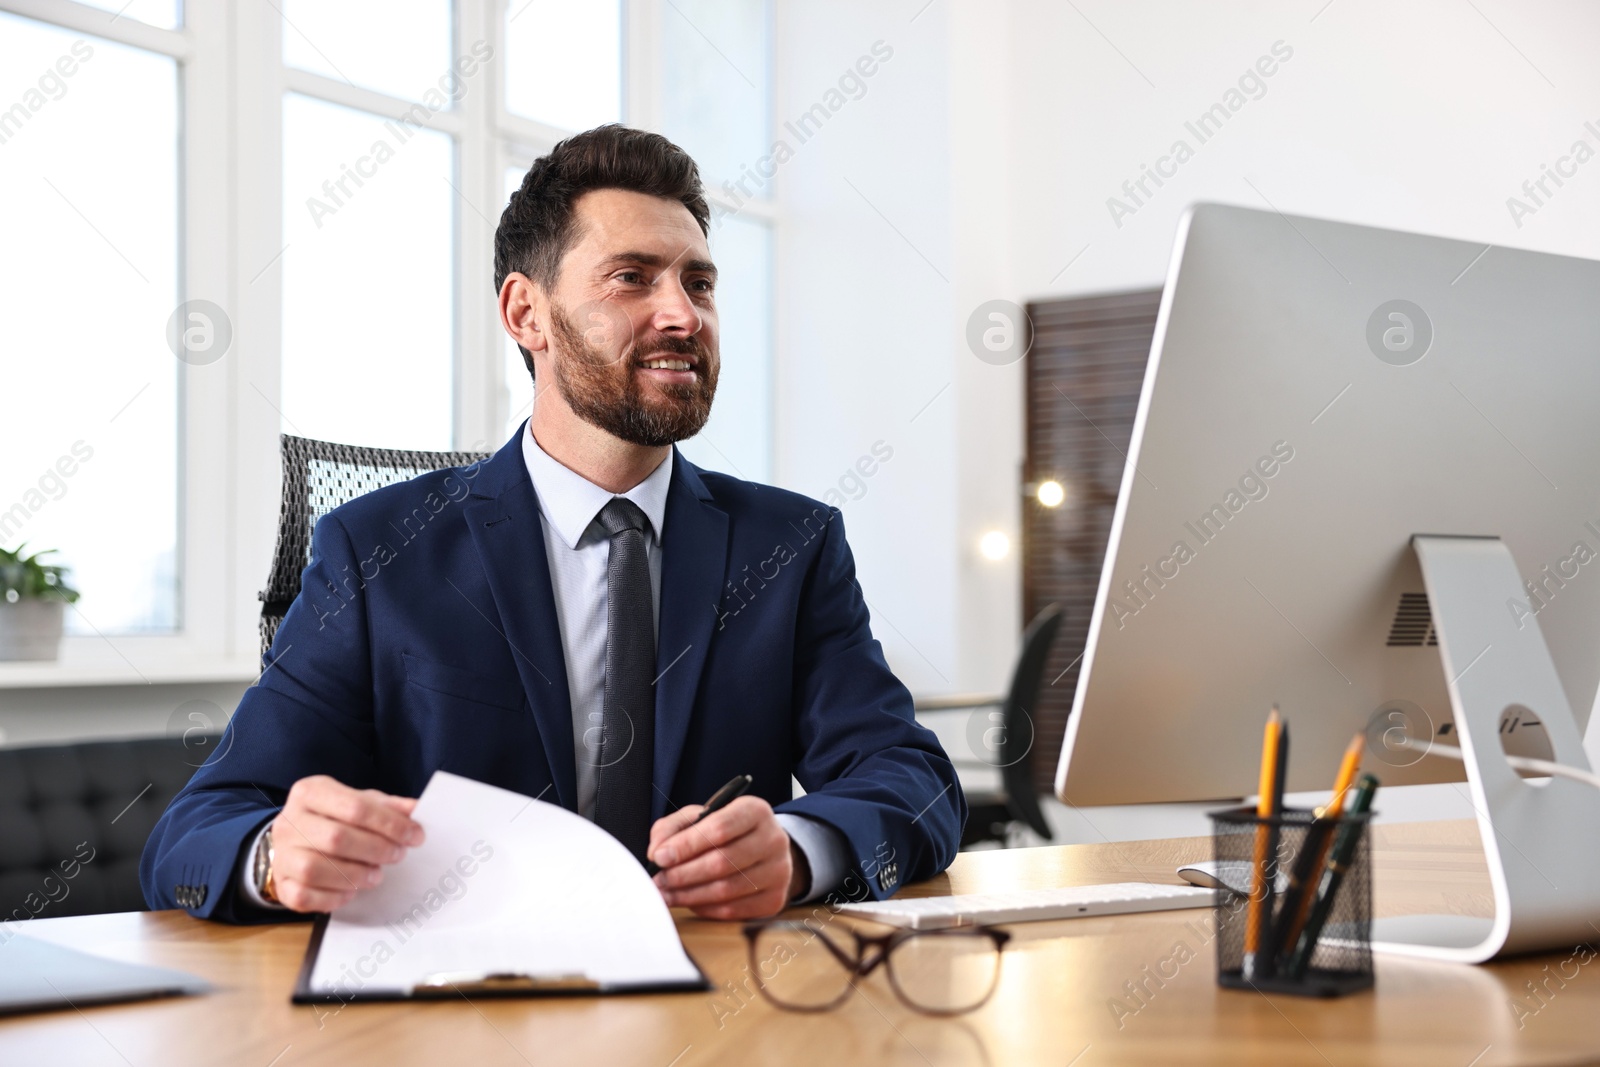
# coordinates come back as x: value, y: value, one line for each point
x: 1317, y: 394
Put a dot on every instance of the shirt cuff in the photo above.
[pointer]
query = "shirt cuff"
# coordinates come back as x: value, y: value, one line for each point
x: 825, y: 849
x: 247, y: 874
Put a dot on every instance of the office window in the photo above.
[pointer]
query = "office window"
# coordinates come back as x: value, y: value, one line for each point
x: 716, y: 86
x: 401, y: 47
x: 564, y: 62
x: 368, y: 278
x: 164, y: 13
x: 716, y: 102
x: 738, y: 437
x: 90, y: 278
x: 145, y: 168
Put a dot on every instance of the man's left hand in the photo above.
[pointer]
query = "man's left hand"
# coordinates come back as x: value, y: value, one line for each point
x: 738, y: 864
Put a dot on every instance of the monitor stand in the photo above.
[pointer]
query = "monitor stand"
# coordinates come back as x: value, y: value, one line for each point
x: 1540, y: 836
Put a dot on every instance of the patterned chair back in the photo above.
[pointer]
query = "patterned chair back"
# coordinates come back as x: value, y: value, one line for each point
x: 318, y: 476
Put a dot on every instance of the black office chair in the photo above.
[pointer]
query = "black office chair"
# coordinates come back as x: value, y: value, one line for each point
x: 74, y: 818
x: 993, y: 813
x: 318, y: 476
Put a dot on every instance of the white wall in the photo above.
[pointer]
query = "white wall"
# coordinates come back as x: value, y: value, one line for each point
x: 992, y: 140
x: 862, y: 312
x: 1419, y: 116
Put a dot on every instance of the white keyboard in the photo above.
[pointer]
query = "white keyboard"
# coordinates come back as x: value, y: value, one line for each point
x: 1070, y: 902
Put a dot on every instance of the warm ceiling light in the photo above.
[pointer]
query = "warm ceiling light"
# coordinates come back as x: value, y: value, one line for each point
x: 1051, y: 494
x: 994, y: 545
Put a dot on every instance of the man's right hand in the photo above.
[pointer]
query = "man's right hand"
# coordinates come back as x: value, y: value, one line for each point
x: 331, y: 841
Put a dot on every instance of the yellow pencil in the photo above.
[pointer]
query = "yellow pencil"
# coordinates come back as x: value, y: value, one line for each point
x: 1255, y: 921
x: 1347, y: 777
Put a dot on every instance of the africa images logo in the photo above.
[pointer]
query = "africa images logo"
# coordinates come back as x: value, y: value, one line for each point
x: 1399, y: 332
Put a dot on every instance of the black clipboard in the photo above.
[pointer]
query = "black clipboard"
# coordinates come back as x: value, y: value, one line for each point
x: 476, y: 985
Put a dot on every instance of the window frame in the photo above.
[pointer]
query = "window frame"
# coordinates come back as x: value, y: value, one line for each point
x: 231, y: 85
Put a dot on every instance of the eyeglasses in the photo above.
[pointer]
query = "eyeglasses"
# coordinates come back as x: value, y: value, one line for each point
x: 801, y: 966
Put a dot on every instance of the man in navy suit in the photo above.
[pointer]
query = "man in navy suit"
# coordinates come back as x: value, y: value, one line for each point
x: 585, y: 617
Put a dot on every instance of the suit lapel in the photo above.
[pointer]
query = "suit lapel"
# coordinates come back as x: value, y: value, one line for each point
x: 503, y: 518
x: 694, y: 556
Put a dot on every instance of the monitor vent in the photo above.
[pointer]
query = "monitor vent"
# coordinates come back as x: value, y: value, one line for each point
x: 1413, y: 623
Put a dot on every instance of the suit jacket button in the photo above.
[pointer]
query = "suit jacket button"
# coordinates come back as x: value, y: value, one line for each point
x: 200, y: 895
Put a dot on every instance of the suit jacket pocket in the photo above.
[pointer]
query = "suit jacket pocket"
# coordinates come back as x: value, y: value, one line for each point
x: 463, y: 684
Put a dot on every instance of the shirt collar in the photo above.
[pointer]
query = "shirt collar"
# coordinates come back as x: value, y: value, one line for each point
x: 570, y: 502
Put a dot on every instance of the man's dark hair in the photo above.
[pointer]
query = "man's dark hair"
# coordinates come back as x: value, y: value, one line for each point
x: 538, y: 226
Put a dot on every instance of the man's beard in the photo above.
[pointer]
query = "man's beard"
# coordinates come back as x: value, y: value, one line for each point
x: 605, y: 391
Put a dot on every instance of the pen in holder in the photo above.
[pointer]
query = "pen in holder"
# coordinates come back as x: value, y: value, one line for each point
x: 1302, y: 922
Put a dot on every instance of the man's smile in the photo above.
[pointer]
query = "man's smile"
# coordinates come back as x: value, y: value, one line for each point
x: 670, y: 369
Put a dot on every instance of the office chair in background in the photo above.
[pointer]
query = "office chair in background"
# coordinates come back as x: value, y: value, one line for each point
x: 993, y: 814
x: 318, y: 476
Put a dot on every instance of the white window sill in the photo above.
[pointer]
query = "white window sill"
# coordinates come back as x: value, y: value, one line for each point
x: 57, y: 675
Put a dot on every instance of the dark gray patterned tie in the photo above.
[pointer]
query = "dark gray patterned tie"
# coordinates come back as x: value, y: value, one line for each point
x: 628, y: 725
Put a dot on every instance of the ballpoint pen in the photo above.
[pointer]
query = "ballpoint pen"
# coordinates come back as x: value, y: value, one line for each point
x: 719, y: 800
x: 1307, y: 873
x: 1339, y: 860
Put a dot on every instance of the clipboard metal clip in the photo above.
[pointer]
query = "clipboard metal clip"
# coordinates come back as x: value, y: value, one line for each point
x: 447, y: 983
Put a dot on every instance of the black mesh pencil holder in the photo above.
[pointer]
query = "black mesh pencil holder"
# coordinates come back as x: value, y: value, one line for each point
x: 1306, y: 929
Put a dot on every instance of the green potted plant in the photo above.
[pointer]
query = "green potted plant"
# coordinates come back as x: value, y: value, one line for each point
x: 33, y: 600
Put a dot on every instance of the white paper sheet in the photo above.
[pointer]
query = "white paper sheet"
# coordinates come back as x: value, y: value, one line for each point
x: 503, y: 884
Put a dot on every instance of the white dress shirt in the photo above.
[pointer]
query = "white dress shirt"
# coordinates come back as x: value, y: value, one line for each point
x: 579, y: 553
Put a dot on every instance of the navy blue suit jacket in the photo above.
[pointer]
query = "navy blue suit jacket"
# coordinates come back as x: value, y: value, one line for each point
x: 425, y: 638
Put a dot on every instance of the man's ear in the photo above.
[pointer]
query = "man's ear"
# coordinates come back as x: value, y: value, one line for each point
x: 523, y: 307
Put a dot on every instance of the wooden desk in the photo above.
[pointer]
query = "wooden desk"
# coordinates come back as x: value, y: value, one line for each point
x: 1053, y: 1005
